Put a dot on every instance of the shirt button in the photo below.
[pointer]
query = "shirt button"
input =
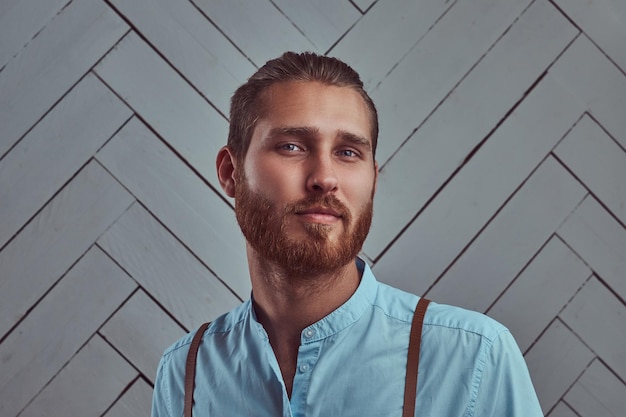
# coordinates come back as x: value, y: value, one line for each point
x: 308, y: 333
x: 304, y: 367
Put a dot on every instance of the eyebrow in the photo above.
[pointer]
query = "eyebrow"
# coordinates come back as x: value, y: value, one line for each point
x: 305, y: 132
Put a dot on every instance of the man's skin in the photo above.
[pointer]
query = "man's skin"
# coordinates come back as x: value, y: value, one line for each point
x: 330, y: 152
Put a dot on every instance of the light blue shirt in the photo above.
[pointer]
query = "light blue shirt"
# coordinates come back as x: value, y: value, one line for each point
x: 353, y: 363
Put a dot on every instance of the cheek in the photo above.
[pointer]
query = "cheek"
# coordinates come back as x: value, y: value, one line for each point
x: 359, y: 191
x: 274, y: 180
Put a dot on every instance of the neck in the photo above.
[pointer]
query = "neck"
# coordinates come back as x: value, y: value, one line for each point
x: 288, y: 300
x: 285, y: 304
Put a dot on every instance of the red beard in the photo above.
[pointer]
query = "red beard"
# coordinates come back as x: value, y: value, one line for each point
x: 264, y: 226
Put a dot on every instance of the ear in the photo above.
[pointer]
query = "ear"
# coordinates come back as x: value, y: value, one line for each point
x: 375, y: 177
x: 226, y: 167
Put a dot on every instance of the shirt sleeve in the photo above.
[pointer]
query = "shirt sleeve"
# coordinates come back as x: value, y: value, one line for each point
x: 160, y: 397
x: 506, y: 389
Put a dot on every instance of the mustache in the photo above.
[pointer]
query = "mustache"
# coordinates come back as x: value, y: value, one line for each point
x: 328, y: 201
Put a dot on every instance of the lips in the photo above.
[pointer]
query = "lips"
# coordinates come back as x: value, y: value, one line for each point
x: 321, y: 211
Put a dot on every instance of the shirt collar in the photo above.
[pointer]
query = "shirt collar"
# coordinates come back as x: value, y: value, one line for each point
x: 349, y: 312
x: 341, y: 318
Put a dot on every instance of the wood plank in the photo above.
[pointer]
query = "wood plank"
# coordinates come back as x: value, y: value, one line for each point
x: 181, y: 200
x: 166, y: 102
x: 364, y: 4
x: 47, y: 247
x: 135, y: 402
x: 58, y: 326
x: 166, y: 269
x: 258, y: 28
x: 499, y: 253
x: 321, y: 21
x: 97, y: 375
x: 192, y: 45
x: 600, y: 240
x: 20, y: 20
x: 546, y: 284
x: 141, y: 331
x: 555, y: 362
x: 426, y: 76
x: 55, y: 150
x: 405, y: 22
x: 562, y: 410
x: 597, y: 161
x: 472, y: 110
x: 599, y: 318
x: 598, y: 84
x: 598, y: 393
x: 442, y: 230
x: 64, y: 51
x: 604, y: 21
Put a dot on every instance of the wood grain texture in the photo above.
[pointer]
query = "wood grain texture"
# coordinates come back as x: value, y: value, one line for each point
x: 598, y: 393
x: 547, y: 283
x: 597, y: 83
x: 562, y: 410
x: 246, y: 24
x: 594, y: 313
x: 466, y: 32
x: 322, y: 22
x: 471, y: 198
x: 141, y: 331
x: 135, y: 402
x: 111, y: 113
x: 467, y: 116
x: 19, y: 22
x: 604, y: 21
x: 75, y: 308
x: 97, y: 375
x: 363, y: 5
x: 600, y: 240
x: 179, y: 199
x: 596, y: 160
x: 56, y: 238
x: 510, y: 240
x: 164, y: 267
x: 168, y: 104
x: 555, y: 362
x: 49, y: 155
x: 64, y: 51
x: 192, y: 45
x: 405, y: 23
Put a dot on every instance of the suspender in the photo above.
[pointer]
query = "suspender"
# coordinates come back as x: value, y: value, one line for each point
x: 413, y: 358
x: 410, y: 385
x: 190, y: 368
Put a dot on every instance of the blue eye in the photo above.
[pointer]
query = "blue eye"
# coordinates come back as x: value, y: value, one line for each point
x: 349, y: 153
x: 291, y: 147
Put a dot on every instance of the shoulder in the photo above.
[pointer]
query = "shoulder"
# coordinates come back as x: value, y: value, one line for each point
x: 169, y: 384
x: 175, y: 355
x: 451, y: 318
x: 401, y: 305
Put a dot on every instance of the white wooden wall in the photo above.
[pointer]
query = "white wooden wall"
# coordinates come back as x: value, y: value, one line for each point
x: 502, y: 188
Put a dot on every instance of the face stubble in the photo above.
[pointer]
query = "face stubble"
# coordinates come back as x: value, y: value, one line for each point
x: 264, y: 227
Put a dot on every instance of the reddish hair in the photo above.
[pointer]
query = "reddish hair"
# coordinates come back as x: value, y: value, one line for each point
x: 246, y: 105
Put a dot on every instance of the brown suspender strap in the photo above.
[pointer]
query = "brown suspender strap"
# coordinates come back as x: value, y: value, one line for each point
x: 190, y: 369
x: 413, y: 358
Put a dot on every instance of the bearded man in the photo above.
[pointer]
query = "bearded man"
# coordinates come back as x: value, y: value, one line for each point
x: 320, y: 335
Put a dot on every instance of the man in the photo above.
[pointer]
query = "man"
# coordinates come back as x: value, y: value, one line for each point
x: 320, y: 336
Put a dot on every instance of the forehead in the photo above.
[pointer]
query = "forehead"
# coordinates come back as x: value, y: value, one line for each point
x: 308, y: 103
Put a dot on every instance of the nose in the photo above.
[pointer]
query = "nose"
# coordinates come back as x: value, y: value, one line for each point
x: 322, y: 177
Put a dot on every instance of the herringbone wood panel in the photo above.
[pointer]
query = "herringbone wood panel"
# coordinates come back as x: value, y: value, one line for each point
x: 502, y: 185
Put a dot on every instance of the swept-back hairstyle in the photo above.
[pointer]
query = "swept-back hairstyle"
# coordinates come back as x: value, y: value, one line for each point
x: 246, y: 105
